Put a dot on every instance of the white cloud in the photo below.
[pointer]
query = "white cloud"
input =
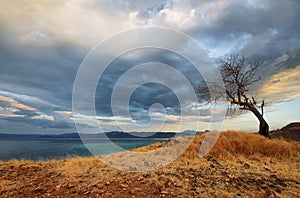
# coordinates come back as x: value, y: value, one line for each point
x: 43, y: 116
x: 15, y: 104
x: 26, y: 98
x: 14, y: 108
x: 9, y: 112
x: 281, y: 86
x: 184, y: 15
x: 44, y: 22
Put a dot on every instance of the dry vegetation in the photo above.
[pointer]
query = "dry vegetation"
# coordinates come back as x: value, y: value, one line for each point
x: 233, y: 144
x: 239, y: 165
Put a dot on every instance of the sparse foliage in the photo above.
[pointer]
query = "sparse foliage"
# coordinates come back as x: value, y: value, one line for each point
x: 238, y: 75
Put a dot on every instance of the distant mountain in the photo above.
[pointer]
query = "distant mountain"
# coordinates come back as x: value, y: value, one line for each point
x: 191, y: 132
x: 289, y: 132
x: 23, y: 136
x: 112, y: 134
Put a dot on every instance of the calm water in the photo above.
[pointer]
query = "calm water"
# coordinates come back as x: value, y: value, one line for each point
x: 55, y: 148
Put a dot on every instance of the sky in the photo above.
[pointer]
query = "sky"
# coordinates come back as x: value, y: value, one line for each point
x: 44, y: 43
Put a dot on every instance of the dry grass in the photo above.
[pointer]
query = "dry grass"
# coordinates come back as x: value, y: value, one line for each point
x: 73, y: 167
x: 232, y: 144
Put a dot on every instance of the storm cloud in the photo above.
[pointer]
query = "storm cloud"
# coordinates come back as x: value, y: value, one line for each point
x: 43, y: 44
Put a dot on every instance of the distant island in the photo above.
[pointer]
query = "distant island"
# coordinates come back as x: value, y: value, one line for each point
x: 111, y: 134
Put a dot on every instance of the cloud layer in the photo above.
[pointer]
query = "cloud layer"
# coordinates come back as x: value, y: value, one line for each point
x: 43, y: 43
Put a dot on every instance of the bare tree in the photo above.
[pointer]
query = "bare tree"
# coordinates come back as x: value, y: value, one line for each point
x: 238, y: 75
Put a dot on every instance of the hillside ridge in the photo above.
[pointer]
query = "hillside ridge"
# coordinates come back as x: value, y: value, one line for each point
x: 289, y: 132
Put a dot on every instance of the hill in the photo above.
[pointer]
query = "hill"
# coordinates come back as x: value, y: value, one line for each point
x: 239, y: 165
x: 289, y: 132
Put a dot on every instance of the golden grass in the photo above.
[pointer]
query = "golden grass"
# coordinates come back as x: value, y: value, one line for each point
x: 232, y: 144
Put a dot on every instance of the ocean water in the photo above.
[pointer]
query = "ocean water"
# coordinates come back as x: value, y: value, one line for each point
x: 57, y: 148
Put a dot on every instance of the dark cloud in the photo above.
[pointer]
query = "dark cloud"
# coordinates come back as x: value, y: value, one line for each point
x: 149, y: 93
x: 262, y: 30
x: 47, y: 72
x: 42, y: 123
x: 42, y: 63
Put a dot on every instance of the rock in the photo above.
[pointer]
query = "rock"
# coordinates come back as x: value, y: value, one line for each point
x: 141, y: 178
x: 177, y: 184
x: 38, y: 189
x: 87, y: 192
x: 148, y: 175
x: 266, y: 168
x: 191, y: 176
x: 69, y: 185
x: 163, y: 192
x: 90, y: 188
x: 123, y: 185
x: 206, y: 181
x: 264, y: 186
x: 58, y: 187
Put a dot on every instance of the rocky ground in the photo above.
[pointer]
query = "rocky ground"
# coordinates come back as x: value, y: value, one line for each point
x: 233, y: 175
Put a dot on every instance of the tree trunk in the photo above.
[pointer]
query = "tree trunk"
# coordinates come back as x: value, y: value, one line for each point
x: 263, y: 125
x: 264, y: 128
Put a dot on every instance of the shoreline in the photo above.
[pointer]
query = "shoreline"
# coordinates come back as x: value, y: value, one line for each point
x: 58, y: 148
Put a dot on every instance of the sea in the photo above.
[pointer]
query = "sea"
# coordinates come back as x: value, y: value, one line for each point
x: 59, y: 148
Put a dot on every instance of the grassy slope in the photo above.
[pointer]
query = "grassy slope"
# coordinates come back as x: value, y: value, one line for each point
x: 239, y: 165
